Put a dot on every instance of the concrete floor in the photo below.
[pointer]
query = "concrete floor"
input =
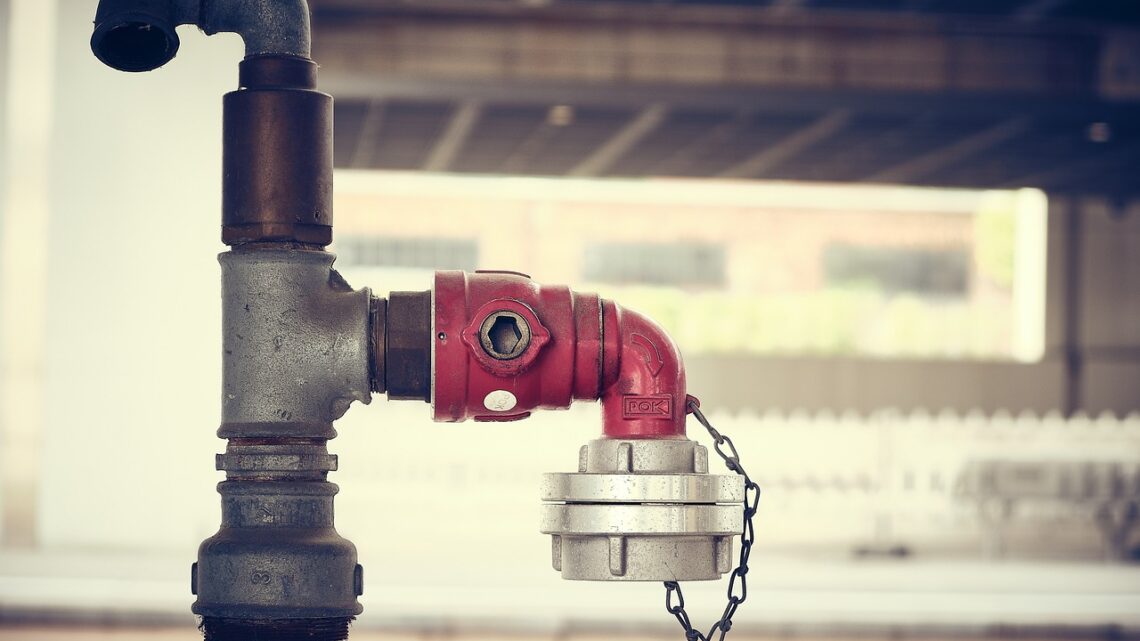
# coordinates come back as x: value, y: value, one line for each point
x: 21, y: 633
x: 85, y: 596
x: 53, y: 633
x: 62, y: 633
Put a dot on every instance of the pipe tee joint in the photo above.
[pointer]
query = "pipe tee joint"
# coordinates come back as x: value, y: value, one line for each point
x: 296, y: 344
x: 296, y: 355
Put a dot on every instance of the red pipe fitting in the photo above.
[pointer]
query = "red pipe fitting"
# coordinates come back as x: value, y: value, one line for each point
x: 504, y: 345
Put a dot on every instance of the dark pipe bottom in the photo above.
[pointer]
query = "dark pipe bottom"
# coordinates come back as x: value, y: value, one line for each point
x: 219, y: 629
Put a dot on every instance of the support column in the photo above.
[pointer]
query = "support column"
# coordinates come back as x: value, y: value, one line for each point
x: 28, y: 80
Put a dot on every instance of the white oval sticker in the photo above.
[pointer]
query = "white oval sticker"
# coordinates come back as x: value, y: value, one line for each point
x: 500, y: 400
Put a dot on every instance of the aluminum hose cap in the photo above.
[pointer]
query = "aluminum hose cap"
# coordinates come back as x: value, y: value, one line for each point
x: 642, y: 510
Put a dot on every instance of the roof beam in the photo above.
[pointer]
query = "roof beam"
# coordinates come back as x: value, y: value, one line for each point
x: 680, y: 160
x: 640, y: 126
x: 1035, y: 10
x: 915, y: 5
x: 787, y: 5
x: 450, y: 142
x: 930, y: 162
x: 517, y: 162
x: 771, y: 157
x: 1071, y: 171
x: 377, y: 44
x: 348, y: 85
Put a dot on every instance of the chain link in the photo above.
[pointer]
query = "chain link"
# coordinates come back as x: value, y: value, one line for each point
x: 738, y: 580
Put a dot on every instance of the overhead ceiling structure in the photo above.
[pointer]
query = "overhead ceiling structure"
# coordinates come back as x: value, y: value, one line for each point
x: 967, y: 93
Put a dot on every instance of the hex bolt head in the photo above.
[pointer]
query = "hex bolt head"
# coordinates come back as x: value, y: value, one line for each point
x: 504, y: 335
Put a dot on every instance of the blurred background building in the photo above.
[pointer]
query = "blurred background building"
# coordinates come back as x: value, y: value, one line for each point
x: 898, y: 242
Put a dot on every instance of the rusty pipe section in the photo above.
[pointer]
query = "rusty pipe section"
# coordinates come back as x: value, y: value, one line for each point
x: 277, y: 156
x: 277, y: 151
x: 139, y: 35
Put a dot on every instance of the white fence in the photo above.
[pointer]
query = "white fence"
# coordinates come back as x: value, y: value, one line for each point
x: 831, y: 482
x: 449, y: 513
x: 918, y: 482
x: 888, y: 482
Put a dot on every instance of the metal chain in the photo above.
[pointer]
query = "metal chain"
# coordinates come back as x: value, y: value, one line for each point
x: 738, y: 581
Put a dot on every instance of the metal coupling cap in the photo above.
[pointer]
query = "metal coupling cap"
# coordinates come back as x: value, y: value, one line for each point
x: 642, y: 510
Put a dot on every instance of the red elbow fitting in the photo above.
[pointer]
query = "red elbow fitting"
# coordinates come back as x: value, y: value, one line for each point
x: 504, y: 345
x: 645, y: 397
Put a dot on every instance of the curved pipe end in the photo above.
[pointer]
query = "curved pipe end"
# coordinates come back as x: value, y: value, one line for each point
x: 645, y: 397
x: 134, y: 36
x: 139, y: 35
x: 267, y: 27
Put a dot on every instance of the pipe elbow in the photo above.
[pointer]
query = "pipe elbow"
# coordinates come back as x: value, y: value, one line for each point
x: 643, y: 393
x: 139, y: 35
x: 267, y: 27
x: 503, y: 345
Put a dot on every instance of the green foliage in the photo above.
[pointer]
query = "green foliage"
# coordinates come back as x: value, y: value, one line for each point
x: 835, y: 321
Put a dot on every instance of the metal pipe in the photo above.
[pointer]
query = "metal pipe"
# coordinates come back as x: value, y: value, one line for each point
x: 297, y: 338
x: 569, y: 345
x: 268, y: 27
x: 300, y: 345
x: 277, y: 159
x: 296, y: 355
x: 139, y: 35
x: 642, y: 505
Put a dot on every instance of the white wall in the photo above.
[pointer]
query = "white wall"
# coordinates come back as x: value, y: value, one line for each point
x: 23, y: 260
x: 1109, y: 300
x: 5, y: 60
x: 131, y: 381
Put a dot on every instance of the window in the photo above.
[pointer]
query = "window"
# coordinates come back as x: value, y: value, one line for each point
x: 733, y: 267
x: 936, y: 272
x: 654, y: 264
x: 416, y: 253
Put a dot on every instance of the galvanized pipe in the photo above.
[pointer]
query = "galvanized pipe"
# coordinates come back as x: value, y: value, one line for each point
x: 139, y: 35
x: 298, y: 339
x: 297, y: 351
x: 296, y: 343
x: 268, y: 27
